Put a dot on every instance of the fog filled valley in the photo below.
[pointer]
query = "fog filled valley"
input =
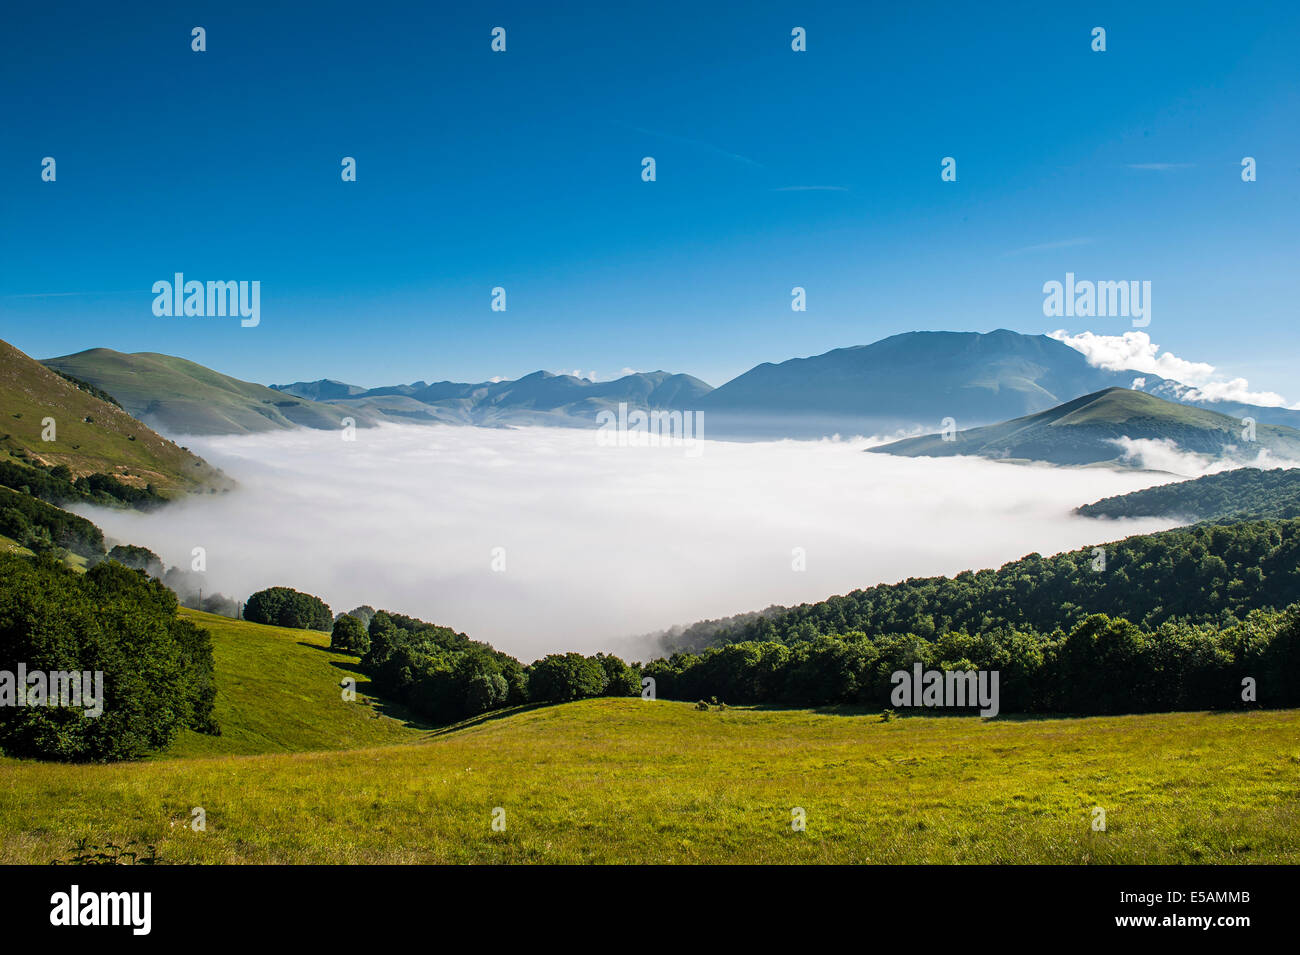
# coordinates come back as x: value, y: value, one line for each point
x: 539, y: 540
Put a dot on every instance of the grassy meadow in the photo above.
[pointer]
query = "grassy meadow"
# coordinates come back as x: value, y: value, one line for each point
x: 299, y: 776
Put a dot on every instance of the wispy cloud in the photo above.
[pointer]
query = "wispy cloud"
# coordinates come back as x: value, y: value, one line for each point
x: 1046, y: 246
x: 811, y: 189
x: 698, y: 144
x: 68, y: 294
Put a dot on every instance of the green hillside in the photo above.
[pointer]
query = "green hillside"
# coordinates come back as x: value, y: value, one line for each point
x: 182, y: 397
x: 92, y: 436
x: 1084, y: 431
x: 1240, y: 494
x: 278, y: 691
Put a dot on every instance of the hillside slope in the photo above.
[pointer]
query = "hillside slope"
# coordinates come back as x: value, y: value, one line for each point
x: 92, y: 435
x: 278, y: 691
x: 1087, y: 431
x: 183, y: 397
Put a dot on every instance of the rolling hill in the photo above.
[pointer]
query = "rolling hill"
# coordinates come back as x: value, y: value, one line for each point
x: 93, y: 436
x: 1088, y: 430
x: 182, y: 397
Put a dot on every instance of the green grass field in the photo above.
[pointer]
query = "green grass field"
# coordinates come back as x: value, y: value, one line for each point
x: 300, y: 776
x: 278, y: 692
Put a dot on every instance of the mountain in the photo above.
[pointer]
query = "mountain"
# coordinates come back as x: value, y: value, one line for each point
x: 915, y: 380
x: 182, y: 397
x: 322, y: 390
x: 1088, y: 430
x: 92, y: 435
x: 1240, y: 494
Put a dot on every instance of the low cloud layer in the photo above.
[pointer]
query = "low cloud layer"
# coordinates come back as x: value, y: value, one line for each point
x: 1162, y: 454
x: 1135, y: 351
x: 601, y: 543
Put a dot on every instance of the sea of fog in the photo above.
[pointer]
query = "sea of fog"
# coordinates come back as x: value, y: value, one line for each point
x: 542, y: 539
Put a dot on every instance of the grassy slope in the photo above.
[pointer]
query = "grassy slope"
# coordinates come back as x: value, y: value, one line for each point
x: 630, y: 781
x: 9, y: 545
x: 113, y: 442
x: 183, y: 397
x: 278, y: 691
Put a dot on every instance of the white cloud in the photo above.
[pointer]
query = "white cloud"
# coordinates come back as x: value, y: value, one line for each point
x: 1163, y: 454
x: 1135, y: 351
x: 601, y: 542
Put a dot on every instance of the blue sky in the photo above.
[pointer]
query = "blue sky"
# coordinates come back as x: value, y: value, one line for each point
x: 522, y: 170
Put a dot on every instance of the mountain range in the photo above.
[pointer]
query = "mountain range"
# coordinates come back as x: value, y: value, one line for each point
x: 903, y: 384
x: 541, y: 398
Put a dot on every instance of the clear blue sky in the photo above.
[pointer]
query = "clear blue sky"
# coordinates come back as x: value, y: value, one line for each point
x: 522, y: 169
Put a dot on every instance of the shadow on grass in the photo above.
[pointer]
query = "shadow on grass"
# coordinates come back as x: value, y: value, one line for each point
x: 488, y: 717
x: 366, y: 687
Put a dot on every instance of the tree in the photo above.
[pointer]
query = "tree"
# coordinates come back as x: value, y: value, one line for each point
x: 286, y: 607
x: 349, y: 635
x: 560, y: 677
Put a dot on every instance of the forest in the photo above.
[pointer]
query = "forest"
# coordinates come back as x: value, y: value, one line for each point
x: 1241, y: 494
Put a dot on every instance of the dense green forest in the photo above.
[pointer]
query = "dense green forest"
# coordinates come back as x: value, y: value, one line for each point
x: 446, y: 676
x: 1173, y: 620
x: 157, y: 668
x: 1242, y: 494
x: 42, y: 528
x: 1101, y: 665
x: 1206, y: 573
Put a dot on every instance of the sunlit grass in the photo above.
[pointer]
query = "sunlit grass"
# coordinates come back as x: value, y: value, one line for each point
x: 631, y: 781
